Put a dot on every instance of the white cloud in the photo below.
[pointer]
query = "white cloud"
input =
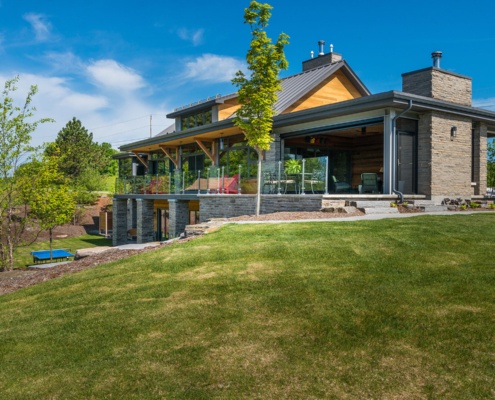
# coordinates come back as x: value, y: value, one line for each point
x: 112, y: 75
x: 195, y: 37
x: 487, y: 104
x: 41, y: 27
x: 213, y: 68
x: 111, y: 117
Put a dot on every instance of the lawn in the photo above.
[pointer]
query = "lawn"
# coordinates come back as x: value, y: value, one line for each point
x: 24, y: 258
x: 399, y: 308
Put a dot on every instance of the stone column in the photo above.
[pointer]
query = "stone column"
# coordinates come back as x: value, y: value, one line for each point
x: 178, y: 217
x: 479, y: 158
x: 119, y: 229
x: 145, y: 221
x: 132, y: 219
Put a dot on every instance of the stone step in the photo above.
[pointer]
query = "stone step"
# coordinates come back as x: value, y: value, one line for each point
x: 432, y: 208
x: 341, y: 210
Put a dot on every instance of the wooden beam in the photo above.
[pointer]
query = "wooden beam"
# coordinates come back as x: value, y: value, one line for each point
x: 211, y: 155
x: 167, y: 151
x: 141, y: 160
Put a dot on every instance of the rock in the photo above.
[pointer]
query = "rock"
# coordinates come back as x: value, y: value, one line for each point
x: 81, y: 253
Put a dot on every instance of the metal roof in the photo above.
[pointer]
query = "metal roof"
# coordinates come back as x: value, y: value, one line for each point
x: 296, y: 86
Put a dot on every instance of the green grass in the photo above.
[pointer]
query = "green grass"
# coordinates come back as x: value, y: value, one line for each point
x: 23, y: 257
x: 400, y: 308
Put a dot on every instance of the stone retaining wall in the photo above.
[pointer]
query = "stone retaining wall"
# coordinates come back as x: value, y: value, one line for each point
x: 227, y: 206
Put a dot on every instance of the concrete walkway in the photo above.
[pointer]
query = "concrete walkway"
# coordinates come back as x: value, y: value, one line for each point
x: 368, y: 217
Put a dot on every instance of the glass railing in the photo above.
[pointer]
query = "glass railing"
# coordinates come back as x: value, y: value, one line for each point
x: 304, y: 176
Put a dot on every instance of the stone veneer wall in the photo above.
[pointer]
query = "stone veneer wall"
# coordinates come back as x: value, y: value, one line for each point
x: 227, y: 206
x: 439, y: 84
x: 145, y: 221
x: 449, y: 165
x: 178, y: 217
x: 119, y: 222
x: 480, y: 162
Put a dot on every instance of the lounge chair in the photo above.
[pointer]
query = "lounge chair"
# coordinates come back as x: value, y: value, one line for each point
x: 369, y: 183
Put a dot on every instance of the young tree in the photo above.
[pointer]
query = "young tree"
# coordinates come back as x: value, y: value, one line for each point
x: 258, y: 92
x: 15, y: 138
x: 51, y: 201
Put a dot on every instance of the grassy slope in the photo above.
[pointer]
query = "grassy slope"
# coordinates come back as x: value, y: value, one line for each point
x: 386, y: 309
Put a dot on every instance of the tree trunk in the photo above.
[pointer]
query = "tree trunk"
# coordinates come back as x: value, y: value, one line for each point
x: 51, y: 240
x: 258, y: 189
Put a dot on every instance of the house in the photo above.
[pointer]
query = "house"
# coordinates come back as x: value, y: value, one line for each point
x: 424, y: 142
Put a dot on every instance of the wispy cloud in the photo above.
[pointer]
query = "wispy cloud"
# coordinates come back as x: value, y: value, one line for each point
x: 213, y: 68
x: 193, y: 36
x: 41, y: 27
x: 112, y: 75
x: 487, y: 104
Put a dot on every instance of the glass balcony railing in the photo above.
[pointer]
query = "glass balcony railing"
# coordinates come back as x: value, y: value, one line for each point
x: 304, y: 176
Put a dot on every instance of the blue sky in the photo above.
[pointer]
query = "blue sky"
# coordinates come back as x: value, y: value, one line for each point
x: 112, y: 64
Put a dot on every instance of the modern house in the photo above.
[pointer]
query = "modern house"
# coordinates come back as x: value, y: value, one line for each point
x: 425, y: 142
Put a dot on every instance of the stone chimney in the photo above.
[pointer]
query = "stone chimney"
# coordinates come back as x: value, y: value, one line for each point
x: 439, y: 83
x: 322, y: 59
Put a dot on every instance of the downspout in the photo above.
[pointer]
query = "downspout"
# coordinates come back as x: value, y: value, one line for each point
x: 394, y: 147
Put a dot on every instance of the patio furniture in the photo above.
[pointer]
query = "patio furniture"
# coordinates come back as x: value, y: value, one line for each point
x: 288, y: 180
x: 270, y: 182
x: 369, y: 183
x: 340, y: 186
x: 41, y: 256
x: 316, y: 180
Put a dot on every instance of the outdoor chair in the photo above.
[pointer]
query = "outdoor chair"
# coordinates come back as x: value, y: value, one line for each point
x: 340, y: 186
x: 286, y: 182
x: 316, y: 181
x: 270, y: 182
x: 369, y: 183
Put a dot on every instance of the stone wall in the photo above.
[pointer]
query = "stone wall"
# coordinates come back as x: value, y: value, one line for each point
x: 178, y: 217
x: 119, y: 222
x: 145, y: 221
x: 227, y: 206
x: 479, y: 155
x: 439, y: 84
x: 450, y: 157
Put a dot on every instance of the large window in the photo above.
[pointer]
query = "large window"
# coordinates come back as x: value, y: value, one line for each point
x: 197, y: 119
x: 236, y: 153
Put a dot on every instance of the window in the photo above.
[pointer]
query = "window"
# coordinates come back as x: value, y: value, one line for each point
x: 198, y: 119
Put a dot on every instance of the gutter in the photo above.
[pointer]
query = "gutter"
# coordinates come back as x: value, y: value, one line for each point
x: 394, y: 147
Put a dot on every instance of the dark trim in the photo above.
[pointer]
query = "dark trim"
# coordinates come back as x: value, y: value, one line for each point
x: 333, y: 128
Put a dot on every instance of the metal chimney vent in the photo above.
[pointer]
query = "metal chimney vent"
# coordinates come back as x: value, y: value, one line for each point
x: 436, y: 55
x: 321, y: 43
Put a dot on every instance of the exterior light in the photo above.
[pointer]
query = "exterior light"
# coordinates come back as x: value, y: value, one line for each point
x: 453, y: 132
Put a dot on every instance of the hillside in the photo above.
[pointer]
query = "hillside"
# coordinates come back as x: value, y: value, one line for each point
x: 372, y: 309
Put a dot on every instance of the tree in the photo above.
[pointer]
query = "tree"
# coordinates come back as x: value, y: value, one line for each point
x: 491, y: 165
x: 52, y: 202
x: 15, y: 137
x: 74, y: 149
x: 258, y: 93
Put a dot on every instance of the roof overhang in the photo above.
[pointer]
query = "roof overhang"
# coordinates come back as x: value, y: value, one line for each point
x: 385, y: 100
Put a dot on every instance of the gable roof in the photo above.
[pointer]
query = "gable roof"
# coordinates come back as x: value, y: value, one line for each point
x: 294, y: 87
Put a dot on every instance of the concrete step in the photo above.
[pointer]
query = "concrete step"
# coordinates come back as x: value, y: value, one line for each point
x: 379, y: 210
x: 370, y: 203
